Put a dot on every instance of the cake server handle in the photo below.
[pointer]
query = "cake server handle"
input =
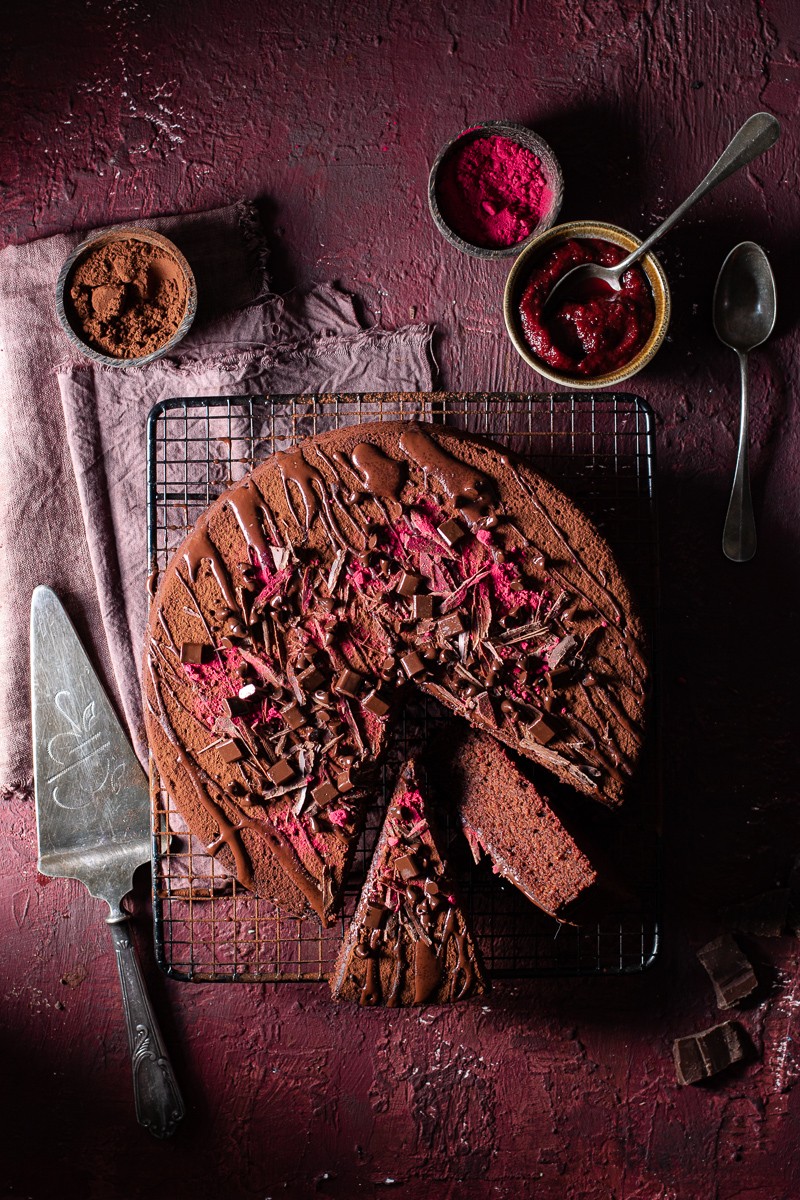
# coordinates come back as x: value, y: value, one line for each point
x: 159, y: 1104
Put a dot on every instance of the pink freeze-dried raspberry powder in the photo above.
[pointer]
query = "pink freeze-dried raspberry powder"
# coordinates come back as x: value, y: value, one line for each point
x: 492, y: 192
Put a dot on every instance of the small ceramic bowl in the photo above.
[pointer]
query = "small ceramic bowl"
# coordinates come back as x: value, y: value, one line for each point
x: 520, y: 273
x: 523, y: 137
x: 104, y: 238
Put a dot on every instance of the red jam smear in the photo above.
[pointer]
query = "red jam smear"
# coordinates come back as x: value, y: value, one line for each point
x: 596, y: 330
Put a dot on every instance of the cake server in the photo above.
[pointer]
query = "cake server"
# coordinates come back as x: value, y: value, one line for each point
x: 93, y: 824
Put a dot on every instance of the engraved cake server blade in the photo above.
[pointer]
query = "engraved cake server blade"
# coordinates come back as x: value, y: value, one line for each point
x: 93, y: 824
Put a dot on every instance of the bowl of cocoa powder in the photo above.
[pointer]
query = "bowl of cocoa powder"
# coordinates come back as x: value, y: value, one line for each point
x: 126, y: 296
x: 493, y: 188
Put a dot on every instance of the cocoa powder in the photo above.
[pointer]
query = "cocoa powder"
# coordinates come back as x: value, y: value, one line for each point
x: 127, y: 298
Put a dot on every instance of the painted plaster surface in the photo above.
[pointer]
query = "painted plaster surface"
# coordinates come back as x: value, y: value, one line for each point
x: 330, y: 114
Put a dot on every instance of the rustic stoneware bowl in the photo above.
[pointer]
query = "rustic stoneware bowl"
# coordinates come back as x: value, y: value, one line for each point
x: 520, y: 273
x: 523, y: 137
x: 103, y: 238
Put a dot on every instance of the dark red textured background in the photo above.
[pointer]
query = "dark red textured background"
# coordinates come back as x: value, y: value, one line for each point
x: 329, y: 114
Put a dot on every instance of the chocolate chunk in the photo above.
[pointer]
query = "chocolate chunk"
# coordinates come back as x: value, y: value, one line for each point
x: 311, y: 678
x: 280, y: 556
x: 485, y: 709
x: 563, y: 649
x: 422, y: 607
x: 345, y: 781
x: 294, y: 716
x: 376, y: 703
x: 230, y: 750
x: 431, y: 887
x: 707, y: 1053
x: 407, y: 867
x: 375, y: 916
x: 451, y: 625
x: 232, y: 706
x: 541, y: 732
x: 729, y: 969
x: 280, y: 771
x: 451, y: 532
x: 193, y: 653
x: 323, y: 793
x: 412, y: 664
x: 349, y: 683
x: 408, y: 584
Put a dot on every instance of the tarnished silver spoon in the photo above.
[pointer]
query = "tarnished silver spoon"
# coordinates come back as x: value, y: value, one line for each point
x: 757, y: 134
x: 744, y: 309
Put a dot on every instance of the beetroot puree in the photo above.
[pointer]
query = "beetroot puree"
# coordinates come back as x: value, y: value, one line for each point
x: 596, y: 331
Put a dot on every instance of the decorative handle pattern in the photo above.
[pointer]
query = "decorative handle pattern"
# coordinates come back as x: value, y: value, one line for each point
x: 159, y: 1104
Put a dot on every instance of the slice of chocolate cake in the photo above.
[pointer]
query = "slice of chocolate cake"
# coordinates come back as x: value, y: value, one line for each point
x: 504, y: 815
x: 408, y: 942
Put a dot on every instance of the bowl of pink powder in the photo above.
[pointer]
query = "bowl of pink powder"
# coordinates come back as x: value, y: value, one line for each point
x: 493, y: 188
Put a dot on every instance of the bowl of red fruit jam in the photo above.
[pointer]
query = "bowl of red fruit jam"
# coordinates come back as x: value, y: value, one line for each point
x: 595, y: 336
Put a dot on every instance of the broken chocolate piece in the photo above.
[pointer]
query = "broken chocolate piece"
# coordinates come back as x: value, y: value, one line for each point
x: 345, y: 781
x: 280, y: 771
x: 485, y: 709
x: 561, y: 650
x: 451, y: 625
x: 729, y: 969
x: 349, y: 683
x: 451, y: 532
x: 311, y: 678
x: 408, y: 584
x: 541, y: 732
x: 230, y: 750
x: 421, y: 607
x: 375, y: 703
x: 232, y: 706
x: 323, y: 794
x: 294, y: 716
x: 192, y: 653
x: 412, y: 664
x: 407, y: 867
x: 707, y: 1053
x: 375, y: 916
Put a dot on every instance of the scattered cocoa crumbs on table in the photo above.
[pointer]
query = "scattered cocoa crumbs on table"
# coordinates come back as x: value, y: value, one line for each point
x: 127, y: 298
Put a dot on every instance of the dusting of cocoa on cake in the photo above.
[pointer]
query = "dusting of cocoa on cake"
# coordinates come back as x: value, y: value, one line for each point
x: 127, y: 298
x: 364, y: 562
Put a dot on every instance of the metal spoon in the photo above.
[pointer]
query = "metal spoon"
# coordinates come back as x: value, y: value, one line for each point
x: 744, y: 317
x: 757, y: 134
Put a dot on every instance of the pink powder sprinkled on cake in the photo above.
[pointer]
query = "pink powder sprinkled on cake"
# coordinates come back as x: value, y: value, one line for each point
x: 492, y: 191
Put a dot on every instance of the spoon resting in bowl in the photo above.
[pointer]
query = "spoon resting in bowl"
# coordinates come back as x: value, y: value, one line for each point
x: 757, y: 134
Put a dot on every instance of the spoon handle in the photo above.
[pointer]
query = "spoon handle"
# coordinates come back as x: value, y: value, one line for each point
x: 758, y: 133
x: 739, y: 534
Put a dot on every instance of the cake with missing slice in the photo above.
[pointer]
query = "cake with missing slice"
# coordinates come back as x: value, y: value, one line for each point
x: 409, y: 942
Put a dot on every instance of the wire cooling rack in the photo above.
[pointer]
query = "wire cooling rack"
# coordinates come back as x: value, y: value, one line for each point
x: 601, y: 450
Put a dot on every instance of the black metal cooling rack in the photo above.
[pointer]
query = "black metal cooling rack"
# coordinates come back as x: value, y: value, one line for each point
x: 600, y: 448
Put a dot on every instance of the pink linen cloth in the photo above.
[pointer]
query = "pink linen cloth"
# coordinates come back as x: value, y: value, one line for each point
x: 73, y: 512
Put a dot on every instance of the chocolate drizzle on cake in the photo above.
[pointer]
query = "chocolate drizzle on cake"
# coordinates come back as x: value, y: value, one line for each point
x: 297, y: 623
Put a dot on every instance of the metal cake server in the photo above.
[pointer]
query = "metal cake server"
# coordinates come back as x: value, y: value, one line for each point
x: 93, y: 824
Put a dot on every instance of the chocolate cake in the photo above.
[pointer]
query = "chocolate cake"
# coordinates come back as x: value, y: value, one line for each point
x: 357, y: 564
x: 409, y: 942
x: 505, y: 816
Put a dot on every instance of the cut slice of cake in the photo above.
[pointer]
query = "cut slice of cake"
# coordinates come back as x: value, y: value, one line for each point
x: 409, y: 942
x: 504, y: 815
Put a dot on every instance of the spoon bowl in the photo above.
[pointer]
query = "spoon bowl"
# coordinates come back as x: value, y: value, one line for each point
x: 744, y: 305
x: 744, y: 310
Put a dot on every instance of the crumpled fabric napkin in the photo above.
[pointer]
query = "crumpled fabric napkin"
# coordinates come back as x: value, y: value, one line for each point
x: 73, y: 512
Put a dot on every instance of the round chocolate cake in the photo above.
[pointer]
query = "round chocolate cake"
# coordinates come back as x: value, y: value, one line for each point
x: 363, y: 562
